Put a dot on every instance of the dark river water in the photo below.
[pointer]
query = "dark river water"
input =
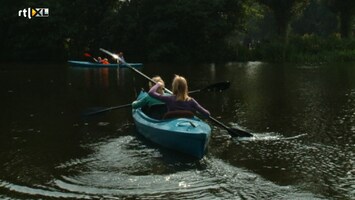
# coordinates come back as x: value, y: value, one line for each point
x: 303, y: 119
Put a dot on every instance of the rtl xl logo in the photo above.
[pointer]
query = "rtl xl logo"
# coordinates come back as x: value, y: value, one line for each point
x: 34, y: 12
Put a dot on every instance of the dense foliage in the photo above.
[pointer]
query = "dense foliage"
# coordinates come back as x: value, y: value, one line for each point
x: 284, y: 11
x: 181, y: 30
x: 346, y: 12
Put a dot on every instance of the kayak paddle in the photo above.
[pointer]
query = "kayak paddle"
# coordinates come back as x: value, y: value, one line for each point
x: 90, y: 56
x: 220, y: 86
x: 107, y: 109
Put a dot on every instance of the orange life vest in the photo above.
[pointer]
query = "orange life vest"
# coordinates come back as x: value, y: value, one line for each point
x: 105, y: 62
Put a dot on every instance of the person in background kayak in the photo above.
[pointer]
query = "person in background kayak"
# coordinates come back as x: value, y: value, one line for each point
x: 152, y: 106
x: 180, y: 100
x: 104, y: 61
x: 122, y: 60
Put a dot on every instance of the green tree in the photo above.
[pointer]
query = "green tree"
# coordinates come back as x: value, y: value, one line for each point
x: 71, y: 27
x: 284, y: 11
x: 316, y: 19
x: 90, y: 25
x: 345, y: 9
x: 182, y: 29
x: 31, y: 39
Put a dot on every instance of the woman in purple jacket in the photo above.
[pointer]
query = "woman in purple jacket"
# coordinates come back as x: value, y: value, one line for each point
x: 180, y: 100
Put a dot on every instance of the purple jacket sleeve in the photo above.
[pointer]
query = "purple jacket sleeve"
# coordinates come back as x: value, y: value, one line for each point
x: 153, y: 93
x: 200, y: 109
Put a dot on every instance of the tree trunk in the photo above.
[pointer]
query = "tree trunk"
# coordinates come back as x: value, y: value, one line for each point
x: 345, y: 24
x: 283, y: 27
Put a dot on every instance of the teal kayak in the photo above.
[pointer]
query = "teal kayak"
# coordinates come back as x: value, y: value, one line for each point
x: 98, y: 65
x: 187, y: 135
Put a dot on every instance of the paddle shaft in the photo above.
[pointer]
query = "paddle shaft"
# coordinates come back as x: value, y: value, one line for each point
x: 109, y: 109
x: 132, y: 68
x: 219, y: 123
x: 215, y: 86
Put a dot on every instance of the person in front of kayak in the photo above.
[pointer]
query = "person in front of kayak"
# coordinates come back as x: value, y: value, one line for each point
x: 152, y: 106
x: 180, y: 100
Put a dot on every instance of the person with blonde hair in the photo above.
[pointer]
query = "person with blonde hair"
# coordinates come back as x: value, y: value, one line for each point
x: 148, y: 100
x: 179, y: 100
x: 152, y: 106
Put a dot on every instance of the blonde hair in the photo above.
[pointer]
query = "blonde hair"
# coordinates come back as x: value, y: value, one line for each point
x: 158, y: 79
x: 180, y: 88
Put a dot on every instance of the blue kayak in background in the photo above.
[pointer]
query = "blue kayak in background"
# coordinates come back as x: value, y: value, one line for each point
x: 99, y: 65
x: 187, y: 135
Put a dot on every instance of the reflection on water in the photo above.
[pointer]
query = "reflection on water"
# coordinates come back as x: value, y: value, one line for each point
x: 97, y: 77
x: 302, y: 118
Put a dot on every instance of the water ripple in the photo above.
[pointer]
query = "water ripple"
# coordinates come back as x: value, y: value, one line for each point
x: 40, y: 192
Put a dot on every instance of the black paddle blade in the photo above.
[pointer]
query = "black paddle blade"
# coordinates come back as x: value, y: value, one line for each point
x: 235, y: 132
x: 220, y: 86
